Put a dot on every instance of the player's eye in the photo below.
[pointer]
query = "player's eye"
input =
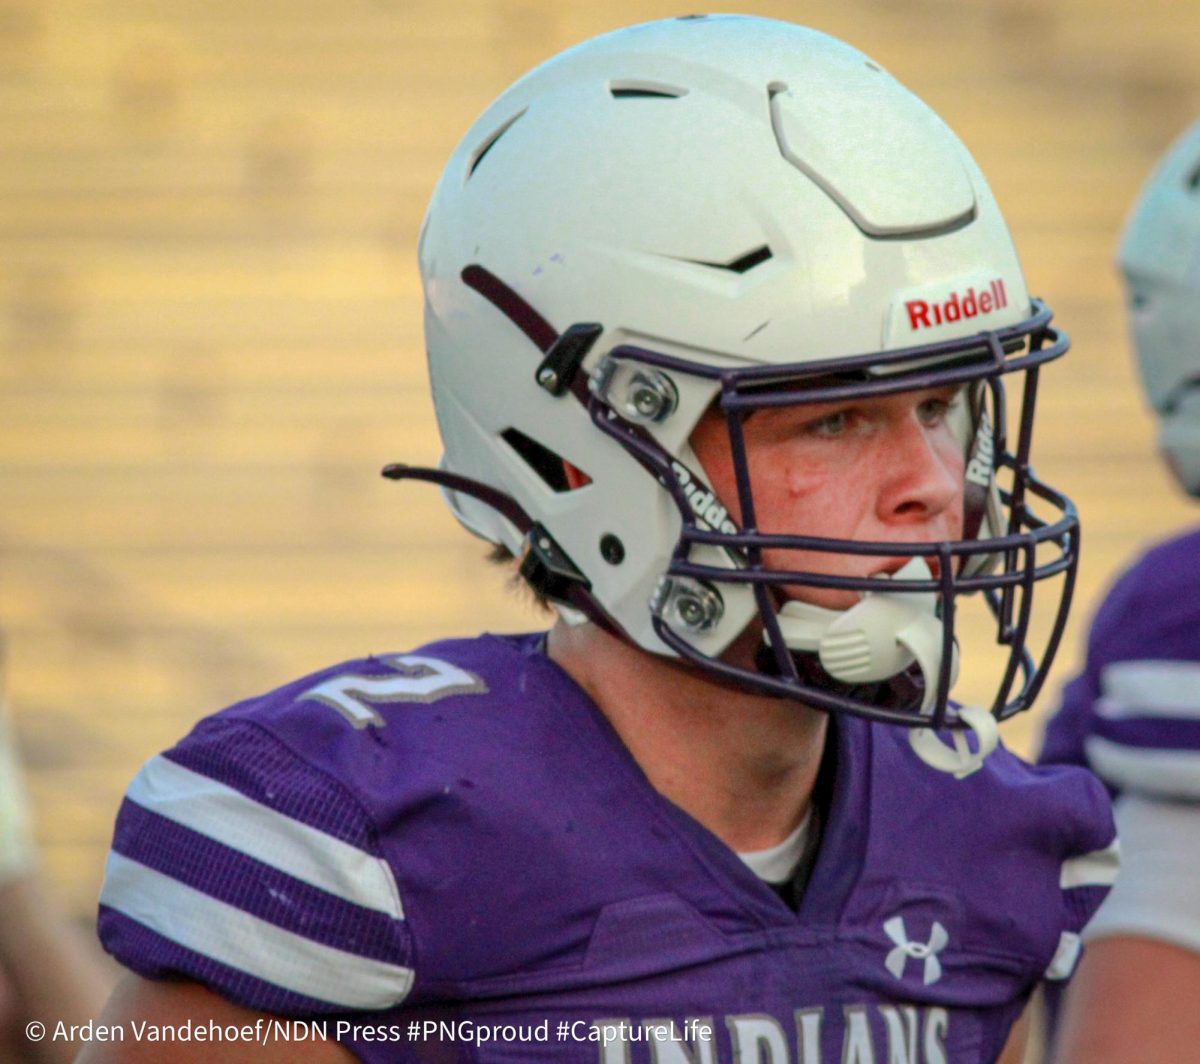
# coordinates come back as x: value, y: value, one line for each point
x: 933, y: 411
x: 830, y: 426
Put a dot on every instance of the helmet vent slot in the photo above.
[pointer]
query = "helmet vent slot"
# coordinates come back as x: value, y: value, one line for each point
x: 543, y: 461
x: 1193, y: 178
x: 742, y: 264
x: 490, y: 142
x: 644, y: 90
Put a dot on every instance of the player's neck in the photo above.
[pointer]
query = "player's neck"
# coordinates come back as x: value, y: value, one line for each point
x: 743, y: 765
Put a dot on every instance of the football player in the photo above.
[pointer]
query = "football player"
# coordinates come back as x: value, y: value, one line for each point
x: 1133, y: 715
x: 721, y: 321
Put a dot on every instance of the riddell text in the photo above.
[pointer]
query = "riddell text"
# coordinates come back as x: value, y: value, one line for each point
x: 970, y: 304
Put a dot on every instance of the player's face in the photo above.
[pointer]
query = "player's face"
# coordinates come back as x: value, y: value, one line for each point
x: 888, y: 469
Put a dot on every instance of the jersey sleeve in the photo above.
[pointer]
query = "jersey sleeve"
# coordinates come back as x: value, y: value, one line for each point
x: 1087, y: 863
x: 1145, y: 737
x: 1133, y: 714
x: 237, y: 864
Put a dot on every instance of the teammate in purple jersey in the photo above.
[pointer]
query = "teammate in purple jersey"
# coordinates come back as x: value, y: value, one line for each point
x: 719, y: 320
x: 1133, y: 715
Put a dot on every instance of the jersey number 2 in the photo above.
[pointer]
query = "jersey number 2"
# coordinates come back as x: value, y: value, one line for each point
x: 418, y: 679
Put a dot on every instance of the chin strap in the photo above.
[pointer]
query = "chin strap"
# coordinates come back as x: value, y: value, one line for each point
x: 882, y: 636
x: 876, y: 639
x: 959, y: 760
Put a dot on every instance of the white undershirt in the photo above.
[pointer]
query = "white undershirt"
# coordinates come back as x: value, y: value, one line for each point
x: 777, y: 864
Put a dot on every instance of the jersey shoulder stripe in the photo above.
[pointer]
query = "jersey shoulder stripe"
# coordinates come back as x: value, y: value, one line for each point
x: 238, y: 864
x: 1153, y: 771
x: 151, y: 955
x: 253, y: 886
x: 1096, y: 869
x: 1066, y: 956
x: 1084, y: 879
x: 234, y: 937
x: 1150, y: 689
x: 229, y: 817
x: 241, y: 753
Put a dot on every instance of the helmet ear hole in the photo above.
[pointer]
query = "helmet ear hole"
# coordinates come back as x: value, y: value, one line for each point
x: 550, y: 467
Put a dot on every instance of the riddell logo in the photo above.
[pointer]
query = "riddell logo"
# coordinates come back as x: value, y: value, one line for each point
x: 983, y: 454
x: 702, y: 501
x: 970, y: 304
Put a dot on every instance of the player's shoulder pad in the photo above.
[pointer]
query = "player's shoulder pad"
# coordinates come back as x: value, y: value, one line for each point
x: 1081, y: 837
x: 1030, y: 850
x: 236, y: 864
x: 258, y: 855
x: 1156, y: 595
x: 378, y: 721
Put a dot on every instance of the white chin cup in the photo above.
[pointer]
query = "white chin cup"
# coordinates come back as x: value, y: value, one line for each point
x: 878, y: 637
x: 959, y: 760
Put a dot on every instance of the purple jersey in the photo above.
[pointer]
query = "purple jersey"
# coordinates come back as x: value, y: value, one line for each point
x: 458, y: 836
x: 1133, y: 714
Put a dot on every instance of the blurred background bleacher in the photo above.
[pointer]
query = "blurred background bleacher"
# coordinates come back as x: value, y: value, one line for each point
x: 210, y: 327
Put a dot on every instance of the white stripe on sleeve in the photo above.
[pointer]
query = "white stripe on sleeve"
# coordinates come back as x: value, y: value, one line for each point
x: 1150, y: 689
x: 1169, y: 773
x: 235, y: 938
x: 1096, y: 869
x: 1065, y: 957
x: 227, y: 816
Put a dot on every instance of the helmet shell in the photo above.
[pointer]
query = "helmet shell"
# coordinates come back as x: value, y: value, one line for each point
x: 730, y: 190
x: 1159, y: 259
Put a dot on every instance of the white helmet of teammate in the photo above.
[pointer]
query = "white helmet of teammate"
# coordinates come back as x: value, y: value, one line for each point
x: 1160, y: 259
x: 722, y: 210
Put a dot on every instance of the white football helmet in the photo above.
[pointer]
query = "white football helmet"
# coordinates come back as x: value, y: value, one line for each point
x: 1160, y: 260
x: 731, y: 212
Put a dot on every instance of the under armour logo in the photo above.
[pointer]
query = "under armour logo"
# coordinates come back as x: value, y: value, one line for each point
x: 897, y: 958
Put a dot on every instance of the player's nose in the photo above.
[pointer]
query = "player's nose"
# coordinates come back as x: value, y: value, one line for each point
x: 922, y: 473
